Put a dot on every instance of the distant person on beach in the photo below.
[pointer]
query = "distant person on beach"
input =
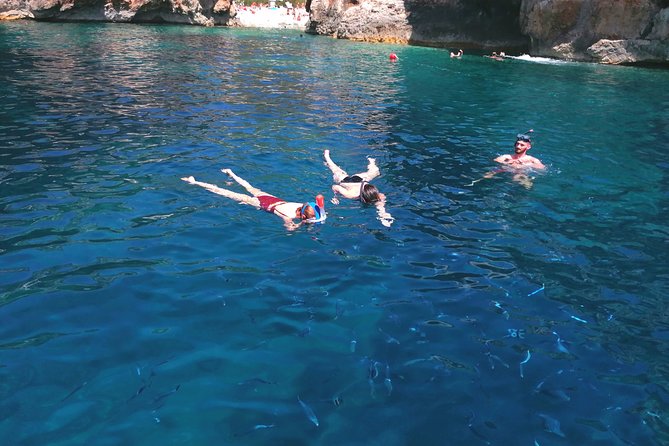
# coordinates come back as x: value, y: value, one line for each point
x: 288, y: 211
x: 457, y: 55
x: 520, y: 163
x: 357, y: 187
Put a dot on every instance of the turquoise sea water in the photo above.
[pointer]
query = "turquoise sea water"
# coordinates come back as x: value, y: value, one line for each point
x: 137, y: 309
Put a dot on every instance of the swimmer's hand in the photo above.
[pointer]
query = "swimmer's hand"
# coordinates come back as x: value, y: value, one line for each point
x: 291, y: 225
x: 386, y: 218
x: 334, y: 200
x: 190, y: 180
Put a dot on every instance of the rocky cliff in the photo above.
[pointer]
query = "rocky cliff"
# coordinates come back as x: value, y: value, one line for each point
x: 607, y: 31
x: 461, y: 23
x: 195, y: 12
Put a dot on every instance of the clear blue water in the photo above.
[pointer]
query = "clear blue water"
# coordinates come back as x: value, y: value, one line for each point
x: 137, y: 309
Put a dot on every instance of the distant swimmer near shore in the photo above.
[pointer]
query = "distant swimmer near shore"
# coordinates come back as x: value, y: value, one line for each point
x: 357, y: 187
x: 496, y: 56
x: 457, y: 55
x: 308, y: 212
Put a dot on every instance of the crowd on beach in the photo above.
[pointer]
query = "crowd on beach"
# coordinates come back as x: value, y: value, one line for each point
x: 269, y: 15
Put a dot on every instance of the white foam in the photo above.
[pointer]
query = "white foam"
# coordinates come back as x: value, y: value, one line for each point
x: 544, y: 60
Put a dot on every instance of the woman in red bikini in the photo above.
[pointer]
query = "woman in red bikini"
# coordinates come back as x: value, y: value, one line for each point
x: 288, y: 211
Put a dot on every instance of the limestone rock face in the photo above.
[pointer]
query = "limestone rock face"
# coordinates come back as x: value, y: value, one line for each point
x: 16, y: 14
x: 371, y: 20
x: 628, y: 51
x: 14, y: 10
x: 607, y: 31
x: 489, y: 24
x: 195, y: 12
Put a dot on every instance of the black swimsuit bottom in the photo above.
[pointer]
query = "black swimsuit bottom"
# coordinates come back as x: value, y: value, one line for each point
x: 352, y: 179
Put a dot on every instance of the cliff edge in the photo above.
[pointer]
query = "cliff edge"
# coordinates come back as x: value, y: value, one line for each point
x: 193, y: 12
x: 604, y: 31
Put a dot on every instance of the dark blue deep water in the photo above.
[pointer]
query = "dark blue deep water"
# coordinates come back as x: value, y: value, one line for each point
x: 136, y: 309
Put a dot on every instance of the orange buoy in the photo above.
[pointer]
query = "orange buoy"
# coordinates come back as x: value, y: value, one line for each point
x: 392, y: 56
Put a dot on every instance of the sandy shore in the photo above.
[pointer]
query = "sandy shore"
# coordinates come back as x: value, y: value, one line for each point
x: 272, y: 18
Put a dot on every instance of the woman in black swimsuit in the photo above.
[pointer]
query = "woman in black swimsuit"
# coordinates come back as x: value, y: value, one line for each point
x: 357, y: 187
x: 288, y: 211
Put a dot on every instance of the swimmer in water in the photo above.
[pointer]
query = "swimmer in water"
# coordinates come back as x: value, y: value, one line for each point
x: 358, y: 187
x: 520, y: 162
x: 288, y: 211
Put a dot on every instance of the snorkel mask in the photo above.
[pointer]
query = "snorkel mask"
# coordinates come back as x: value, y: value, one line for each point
x: 525, y: 137
x: 319, y: 210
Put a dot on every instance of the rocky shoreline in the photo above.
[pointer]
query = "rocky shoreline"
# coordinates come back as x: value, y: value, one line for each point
x: 602, y: 31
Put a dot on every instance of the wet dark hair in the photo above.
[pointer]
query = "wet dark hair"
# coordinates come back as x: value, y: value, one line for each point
x: 369, y: 193
x: 523, y: 137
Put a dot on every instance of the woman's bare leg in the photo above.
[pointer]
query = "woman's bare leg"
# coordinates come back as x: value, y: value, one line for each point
x: 338, y: 173
x: 245, y: 184
x: 244, y: 199
x: 372, y: 170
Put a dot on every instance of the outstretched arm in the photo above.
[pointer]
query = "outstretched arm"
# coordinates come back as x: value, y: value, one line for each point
x: 290, y: 224
x: 492, y: 173
x: 487, y: 175
x: 537, y: 164
x: 383, y: 215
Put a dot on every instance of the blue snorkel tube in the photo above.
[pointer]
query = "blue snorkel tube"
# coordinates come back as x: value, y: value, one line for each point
x: 319, y: 208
